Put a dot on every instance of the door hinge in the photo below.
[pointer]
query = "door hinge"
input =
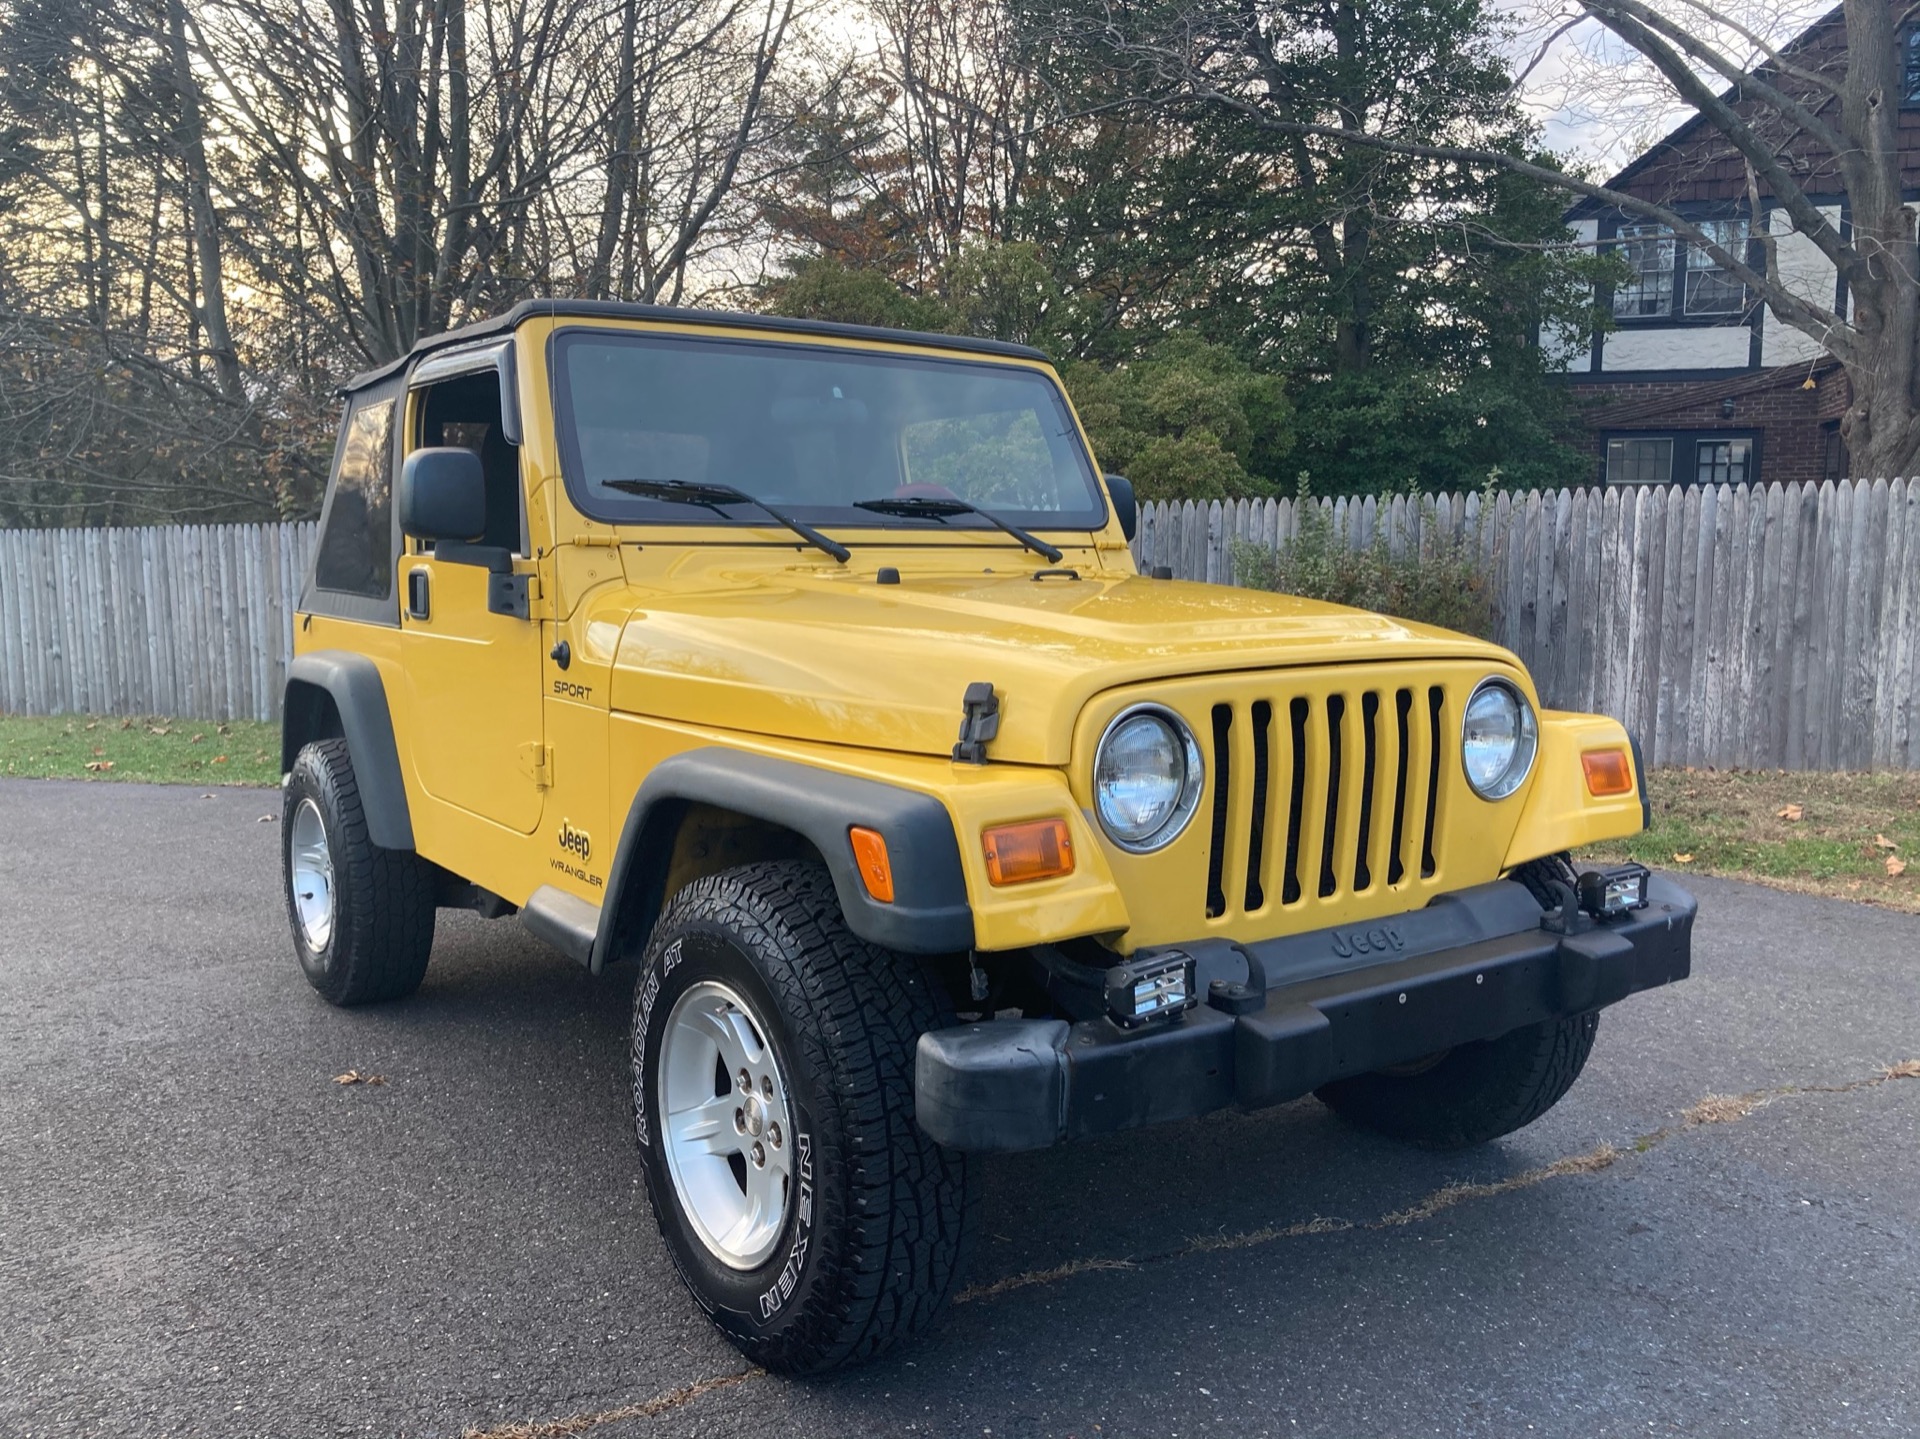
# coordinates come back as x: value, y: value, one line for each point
x: 536, y: 762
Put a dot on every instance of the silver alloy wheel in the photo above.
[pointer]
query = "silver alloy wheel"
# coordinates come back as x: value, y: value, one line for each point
x: 725, y: 1124
x: 312, y: 865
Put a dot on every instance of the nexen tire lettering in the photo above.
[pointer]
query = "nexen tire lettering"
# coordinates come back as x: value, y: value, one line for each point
x: 776, y: 1296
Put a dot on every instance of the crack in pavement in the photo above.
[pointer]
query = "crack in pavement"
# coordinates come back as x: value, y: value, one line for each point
x: 574, y: 1424
x: 1712, y: 1109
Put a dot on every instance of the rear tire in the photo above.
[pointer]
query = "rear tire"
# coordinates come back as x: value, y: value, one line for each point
x: 1476, y: 1092
x: 810, y: 1216
x: 362, y: 916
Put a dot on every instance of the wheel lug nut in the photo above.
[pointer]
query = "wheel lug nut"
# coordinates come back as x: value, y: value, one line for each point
x: 759, y: 1157
x: 766, y: 1087
x: 773, y: 1134
x: 746, y: 1081
x: 739, y: 1121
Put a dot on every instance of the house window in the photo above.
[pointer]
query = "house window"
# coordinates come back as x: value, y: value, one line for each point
x: 1648, y: 251
x: 1669, y: 278
x: 1684, y: 457
x: 1910, y: 91
x: 1640, y: 460
x: 1721, y: 462
x: 1833, y: 458
x: 1711, y: 289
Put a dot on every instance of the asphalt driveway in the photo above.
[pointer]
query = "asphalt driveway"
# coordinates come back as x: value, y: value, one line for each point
x: 201, y: 1233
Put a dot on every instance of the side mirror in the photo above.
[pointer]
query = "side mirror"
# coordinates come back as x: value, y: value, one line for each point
x: 1125, y: 507
x: 443, y: 495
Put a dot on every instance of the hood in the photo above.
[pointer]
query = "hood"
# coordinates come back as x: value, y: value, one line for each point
x: 841, y: 659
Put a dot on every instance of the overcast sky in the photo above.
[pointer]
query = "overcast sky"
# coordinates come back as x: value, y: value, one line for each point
x: 1596, y: 100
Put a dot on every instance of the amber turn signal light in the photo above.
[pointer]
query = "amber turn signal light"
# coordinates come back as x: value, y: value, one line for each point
x: 876, y: 869
x: 1607, y: 771
x: 1037, y: 849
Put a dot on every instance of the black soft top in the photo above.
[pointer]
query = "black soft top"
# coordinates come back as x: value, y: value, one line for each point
x: 624, y: 310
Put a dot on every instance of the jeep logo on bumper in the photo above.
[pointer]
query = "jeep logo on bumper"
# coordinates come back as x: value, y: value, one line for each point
x: 1381, y: 939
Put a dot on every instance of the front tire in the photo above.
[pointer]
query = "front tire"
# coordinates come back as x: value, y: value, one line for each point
x: 772, y: 1066
x: 362, y: 916
x: 1474, y: 1093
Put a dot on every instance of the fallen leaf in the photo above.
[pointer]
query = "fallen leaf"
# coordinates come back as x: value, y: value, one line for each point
x: 219, y: 759
x: 225, y: 729
x: 196, y: 739
x: 1895, y: 867
x: 1683, y: 859
x: 354, y: 1076
x: 93, y: 724
x: 99, y: 766
x: 266, y: 819
x: 1880, y: 841
x: 158, y: 729
x: 1853, y: 884
x: 126, y: 723
x: 209, y: 796
x: 1792, y: 811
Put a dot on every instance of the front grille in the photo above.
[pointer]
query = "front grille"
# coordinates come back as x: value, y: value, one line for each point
x: 1323, y: 796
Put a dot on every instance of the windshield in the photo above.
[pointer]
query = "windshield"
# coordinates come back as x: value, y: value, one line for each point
x: 815, y: 431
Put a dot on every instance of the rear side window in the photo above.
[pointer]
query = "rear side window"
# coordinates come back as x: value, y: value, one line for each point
x: 355, y: 554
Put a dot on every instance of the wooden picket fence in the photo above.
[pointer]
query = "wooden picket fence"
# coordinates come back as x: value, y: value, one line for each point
x: 1767, y: 628
x: 191, y: 620
x: 1755, y: 627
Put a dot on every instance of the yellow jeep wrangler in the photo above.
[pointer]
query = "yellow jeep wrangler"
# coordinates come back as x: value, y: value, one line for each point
x: 806, y: 668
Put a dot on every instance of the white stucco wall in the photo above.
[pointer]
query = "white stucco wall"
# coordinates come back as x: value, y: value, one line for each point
x: 1681, y: 347
x: 1808, y: 274
x: 1566, y: 349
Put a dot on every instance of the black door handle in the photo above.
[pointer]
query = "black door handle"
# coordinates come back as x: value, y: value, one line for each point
x: 419, y: 603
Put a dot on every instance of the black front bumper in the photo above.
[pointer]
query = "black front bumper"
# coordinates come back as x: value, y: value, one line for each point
x: 1339, y: 1002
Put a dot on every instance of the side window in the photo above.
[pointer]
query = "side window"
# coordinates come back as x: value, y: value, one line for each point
x: 355, y: 551
x: 465, y: 412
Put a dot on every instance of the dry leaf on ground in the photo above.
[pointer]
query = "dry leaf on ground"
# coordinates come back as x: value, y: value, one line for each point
x: 1880, y: 841
x: 158, y: 729
x: 1793, y: 811
x: 354, y: 1076
x: 99, y: 766
x: 1683, y: 859
x: 1895, y: 867
x: 266, y: 819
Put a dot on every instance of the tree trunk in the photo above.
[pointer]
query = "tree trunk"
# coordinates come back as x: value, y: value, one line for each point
x: 205, y: 223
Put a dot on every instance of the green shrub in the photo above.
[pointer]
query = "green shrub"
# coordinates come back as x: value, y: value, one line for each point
x: 1443, y: 582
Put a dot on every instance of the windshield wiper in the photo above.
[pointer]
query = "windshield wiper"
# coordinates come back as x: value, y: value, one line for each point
x: 928, y: 508
x: 690, y: 492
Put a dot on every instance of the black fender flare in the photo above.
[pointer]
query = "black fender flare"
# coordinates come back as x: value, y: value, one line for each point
x: 353, y: 683
x: 929, y: 913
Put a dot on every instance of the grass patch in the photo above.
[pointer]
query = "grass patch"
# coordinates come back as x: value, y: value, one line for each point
x: 149, y: 749
x: 1847, y: 835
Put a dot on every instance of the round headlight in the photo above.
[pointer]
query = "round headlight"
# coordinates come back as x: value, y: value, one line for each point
x: 1498, y: 738
x: 1147, y: 775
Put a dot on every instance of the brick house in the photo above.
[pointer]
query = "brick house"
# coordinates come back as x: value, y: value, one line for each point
x: 1697, y: 382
